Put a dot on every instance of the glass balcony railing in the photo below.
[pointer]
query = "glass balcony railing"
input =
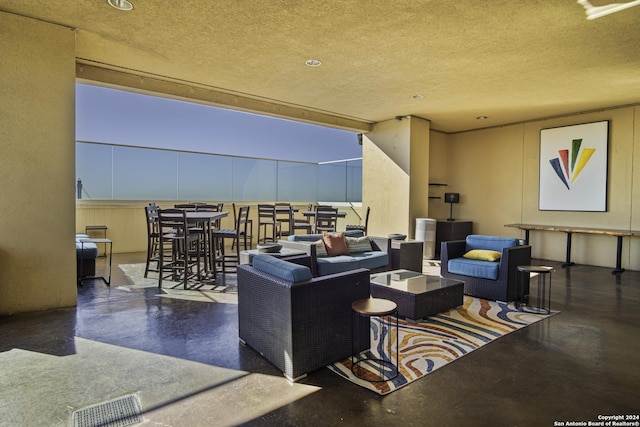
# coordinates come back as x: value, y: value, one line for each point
x: 117, y: 172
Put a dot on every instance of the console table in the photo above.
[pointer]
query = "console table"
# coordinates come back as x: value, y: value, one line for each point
x: 619, y: 234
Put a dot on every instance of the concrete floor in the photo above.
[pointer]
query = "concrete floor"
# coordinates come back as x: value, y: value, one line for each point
x: 183, y: 359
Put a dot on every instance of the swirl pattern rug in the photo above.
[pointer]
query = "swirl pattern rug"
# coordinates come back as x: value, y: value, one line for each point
x: 438, y: 340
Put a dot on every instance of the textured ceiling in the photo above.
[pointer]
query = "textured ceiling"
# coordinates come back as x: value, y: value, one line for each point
x: 508, y: 60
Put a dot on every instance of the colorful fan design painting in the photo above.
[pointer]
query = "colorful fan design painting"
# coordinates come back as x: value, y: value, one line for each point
x: 569, y: 165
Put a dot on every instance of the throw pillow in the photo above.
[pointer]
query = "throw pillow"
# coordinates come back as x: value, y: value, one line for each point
x: 335, y: 244
x: 483, y: 255
x: 321, y: 250
x: 358, y: 244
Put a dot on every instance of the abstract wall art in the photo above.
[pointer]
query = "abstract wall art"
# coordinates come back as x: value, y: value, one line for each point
x: 573, y: 168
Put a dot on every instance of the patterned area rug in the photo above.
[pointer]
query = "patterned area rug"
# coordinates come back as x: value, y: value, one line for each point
x: 174, y: 290
x: 438, y: 340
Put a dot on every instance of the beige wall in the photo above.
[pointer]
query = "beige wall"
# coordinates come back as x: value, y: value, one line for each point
x: 496, y: 172
x: 395, y: 181
x: 37, y: 165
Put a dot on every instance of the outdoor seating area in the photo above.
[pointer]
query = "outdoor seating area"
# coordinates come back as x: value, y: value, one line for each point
x: 188, y: 244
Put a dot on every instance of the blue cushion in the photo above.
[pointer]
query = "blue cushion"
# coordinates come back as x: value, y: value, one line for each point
x: 284, y: 270
x: 342, y: 263
x: 493, y: 243
x: 336, y: 264
x: 304, y: 237
x: 474, y: 268
x: 371, y: 260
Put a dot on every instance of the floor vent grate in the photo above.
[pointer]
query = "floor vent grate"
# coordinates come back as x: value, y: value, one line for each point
x: 120, y: 412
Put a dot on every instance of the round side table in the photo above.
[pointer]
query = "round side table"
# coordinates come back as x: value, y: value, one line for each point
x: 543, y: 302
x: 384, y: 310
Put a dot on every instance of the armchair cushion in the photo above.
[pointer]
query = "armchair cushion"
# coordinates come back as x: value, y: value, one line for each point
x: 475, y: 268
x: 494, y: 243
x: 282, y: 269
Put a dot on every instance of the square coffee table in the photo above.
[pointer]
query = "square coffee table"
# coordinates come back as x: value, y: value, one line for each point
x: 417, y: 295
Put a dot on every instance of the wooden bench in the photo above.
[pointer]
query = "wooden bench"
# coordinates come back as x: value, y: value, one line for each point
x: 583, y: 230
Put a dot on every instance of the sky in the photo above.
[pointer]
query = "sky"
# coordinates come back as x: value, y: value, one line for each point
x: 127, y: 118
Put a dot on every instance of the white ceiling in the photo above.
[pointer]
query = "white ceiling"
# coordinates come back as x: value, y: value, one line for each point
x: 509, y: 60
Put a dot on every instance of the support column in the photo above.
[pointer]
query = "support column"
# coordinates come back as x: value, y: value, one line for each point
x: 395, y: 175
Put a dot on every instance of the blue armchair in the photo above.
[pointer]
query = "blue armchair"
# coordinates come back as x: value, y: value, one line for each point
x: 486, y: 278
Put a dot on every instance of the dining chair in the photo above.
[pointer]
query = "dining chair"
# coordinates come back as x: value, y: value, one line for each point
x: 153, y: 239
x: 237, y: 234
x: 267, y: 218
x: 303, y: 223
x: 249, y: 235
x: 362, y: 227
x: 179, y: 249
x: 326, y: 219
x: 284, y: 218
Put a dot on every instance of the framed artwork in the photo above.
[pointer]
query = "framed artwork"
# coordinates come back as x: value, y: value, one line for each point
x: 573, y: 168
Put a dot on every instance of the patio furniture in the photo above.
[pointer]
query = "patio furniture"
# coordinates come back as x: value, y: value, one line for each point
x: 179, y: 247
x: 266, y: 219
x: 490, y: 271
x: 284, y: 218
x: 326, y: 219
x: 362, y: 227
x: 153, y: 239
x: 297, y: 322
x: 303, y: 223
x: 384, y: 310
x: 363, y: 252
x: 237, y: 234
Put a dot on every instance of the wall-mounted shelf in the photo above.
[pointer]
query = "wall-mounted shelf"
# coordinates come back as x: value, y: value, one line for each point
x: 435, y: 197
x: 437, y: 184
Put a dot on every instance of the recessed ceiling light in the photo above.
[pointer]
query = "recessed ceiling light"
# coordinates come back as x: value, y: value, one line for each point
x: 417, y: 96
x: 313, y: 62
x: 121, y: 4
x: 481, y: 117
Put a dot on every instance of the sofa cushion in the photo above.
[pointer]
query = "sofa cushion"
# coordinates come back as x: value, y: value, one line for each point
x: 493, y: 243
x: 341, y: 263
x: 282, y: 269
x: 483, y: 255
x: 358, y: 244
x: 474, y: 268
x: 335, y: 244
x: 371, y: 260
x: 321, y: 249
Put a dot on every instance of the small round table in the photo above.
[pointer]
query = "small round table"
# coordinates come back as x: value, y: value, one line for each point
x: 384, y: 364
x: 543, y: 302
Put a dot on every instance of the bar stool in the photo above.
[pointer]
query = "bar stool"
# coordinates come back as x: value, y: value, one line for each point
x: 543, y: 303
x: 381, y: 308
